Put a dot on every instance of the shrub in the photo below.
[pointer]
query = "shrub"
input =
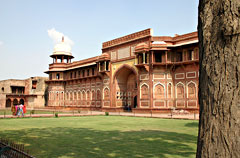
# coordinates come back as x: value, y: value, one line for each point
x: 32, y: 112
x: 106, y: 113
x: 56, y: 114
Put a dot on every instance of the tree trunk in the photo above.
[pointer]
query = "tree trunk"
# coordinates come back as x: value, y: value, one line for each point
x: 219, y: 80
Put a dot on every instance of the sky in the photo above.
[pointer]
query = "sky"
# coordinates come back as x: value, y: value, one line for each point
x: 29, y: 29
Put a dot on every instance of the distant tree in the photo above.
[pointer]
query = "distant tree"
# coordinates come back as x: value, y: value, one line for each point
x: 219, y: 87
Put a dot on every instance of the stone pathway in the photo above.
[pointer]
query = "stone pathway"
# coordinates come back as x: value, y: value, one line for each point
x: 95, y: 113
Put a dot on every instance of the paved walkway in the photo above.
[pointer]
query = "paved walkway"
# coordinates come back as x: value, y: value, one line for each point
x: 95, y: 113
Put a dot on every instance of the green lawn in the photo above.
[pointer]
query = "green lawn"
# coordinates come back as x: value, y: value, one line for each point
x: 103, y: 137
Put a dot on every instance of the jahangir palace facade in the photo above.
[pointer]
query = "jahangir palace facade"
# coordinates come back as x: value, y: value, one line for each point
x: 139, y: 70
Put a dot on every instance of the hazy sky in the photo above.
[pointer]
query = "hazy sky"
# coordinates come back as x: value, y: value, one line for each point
x: 28, y: 28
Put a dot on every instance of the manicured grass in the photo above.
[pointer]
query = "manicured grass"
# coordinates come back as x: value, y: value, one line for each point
x: 103, y: 137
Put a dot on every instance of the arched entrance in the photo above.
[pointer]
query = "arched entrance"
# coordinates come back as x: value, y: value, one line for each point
x: 125, y: 86
x: 15, y: 102
x: 21, y: 101
x: 8, y: 103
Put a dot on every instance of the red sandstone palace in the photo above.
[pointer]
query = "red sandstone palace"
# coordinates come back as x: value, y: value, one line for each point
x: 137, y: 71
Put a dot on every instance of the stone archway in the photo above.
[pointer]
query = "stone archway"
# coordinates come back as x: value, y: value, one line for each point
x: 15, y: 102
x: 125, y: 86
x: 21, y: 101
x: 8, y: 103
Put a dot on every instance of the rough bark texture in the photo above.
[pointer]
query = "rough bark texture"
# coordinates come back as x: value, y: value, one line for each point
x: 219, y: 86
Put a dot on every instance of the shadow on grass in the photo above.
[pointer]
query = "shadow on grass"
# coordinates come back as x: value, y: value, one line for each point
x: 192, y: 124
x: 89, y: 143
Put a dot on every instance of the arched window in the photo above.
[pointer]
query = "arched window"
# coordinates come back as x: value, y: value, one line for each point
x: 159, y: 91
x: 83, y: 95
x: 21, y: 101
x: 144, y: 91
x: 75, y: 95
x: 15, y: 102
x: 180, y: 90
x: 98, y: 95
x: 8, y: 103
x: 191, y: 88
x: 93, y: 95
x: 169, y: 90
x: 88, y: 95
x: 79, y: 95
x: 106, y: 94
x: 71, y: 95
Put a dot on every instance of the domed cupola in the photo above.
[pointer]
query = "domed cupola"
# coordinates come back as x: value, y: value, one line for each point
x: 62, y: 48
x: 62, y: 51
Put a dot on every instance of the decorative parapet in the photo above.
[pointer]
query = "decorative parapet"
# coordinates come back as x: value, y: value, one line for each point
x: 128, y: 38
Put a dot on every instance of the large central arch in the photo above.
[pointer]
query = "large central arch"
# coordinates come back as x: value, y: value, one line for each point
x: 125, y: 87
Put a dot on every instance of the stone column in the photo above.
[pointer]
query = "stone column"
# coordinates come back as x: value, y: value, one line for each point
x: 105, y: 65
x: 144, y: 59
x: 136, y: 60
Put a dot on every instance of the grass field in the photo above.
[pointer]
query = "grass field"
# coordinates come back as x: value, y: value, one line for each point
x: 103, y: 137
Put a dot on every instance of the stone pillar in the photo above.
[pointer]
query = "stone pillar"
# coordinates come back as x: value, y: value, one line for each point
x: 166, y: 57
x: 136, y: 60
x: 99, y: 67
x: 105, y: 65
x: 62, y: 59
x: 56, y: 59
x: 147, y: 61
x: 144, y: 59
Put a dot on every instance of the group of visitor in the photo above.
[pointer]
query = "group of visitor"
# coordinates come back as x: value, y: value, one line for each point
x: 19, y: 110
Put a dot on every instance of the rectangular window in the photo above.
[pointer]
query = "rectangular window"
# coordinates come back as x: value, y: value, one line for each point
x: 158, y: 57
x: 88, y: 72
x: 93, y: 71
x: 83, y: 73
x: 179, y: 57
x: 107, y: 65
x: 34, y: 84
x: 75, y: 74
x: 58, y: 76
x: 190, y: 55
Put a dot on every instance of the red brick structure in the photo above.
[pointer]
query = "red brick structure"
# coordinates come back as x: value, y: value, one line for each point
x: 140, y: 71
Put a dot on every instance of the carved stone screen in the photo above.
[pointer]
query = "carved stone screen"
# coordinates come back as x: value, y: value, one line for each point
x: 123, y: 52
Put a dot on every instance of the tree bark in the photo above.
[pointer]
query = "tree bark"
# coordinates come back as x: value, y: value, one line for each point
x: 219, y: 80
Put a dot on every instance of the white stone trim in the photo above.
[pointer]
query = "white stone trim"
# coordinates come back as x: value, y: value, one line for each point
x: 193, y: 101
x: 106, y: 87
x: 147, y: 77
x: 168, y: 76
x: 179, y: 74
x: 141, y: 88
x: 195, y: 88
x: 176, y: 89
x: 192, y: 72
x: 159, y: 74
x: 144, y: 106
x: 106, y: 102
x: 180, y: 101
x: 171, y: 89
x: 93, y: 90
x: 164, y: 89
x: 154, y: 102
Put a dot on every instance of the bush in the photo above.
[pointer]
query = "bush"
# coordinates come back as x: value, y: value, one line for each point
x: 32, y: 112
x: 106, y: 113
x: 79, y: 111
x: 56, y: 114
